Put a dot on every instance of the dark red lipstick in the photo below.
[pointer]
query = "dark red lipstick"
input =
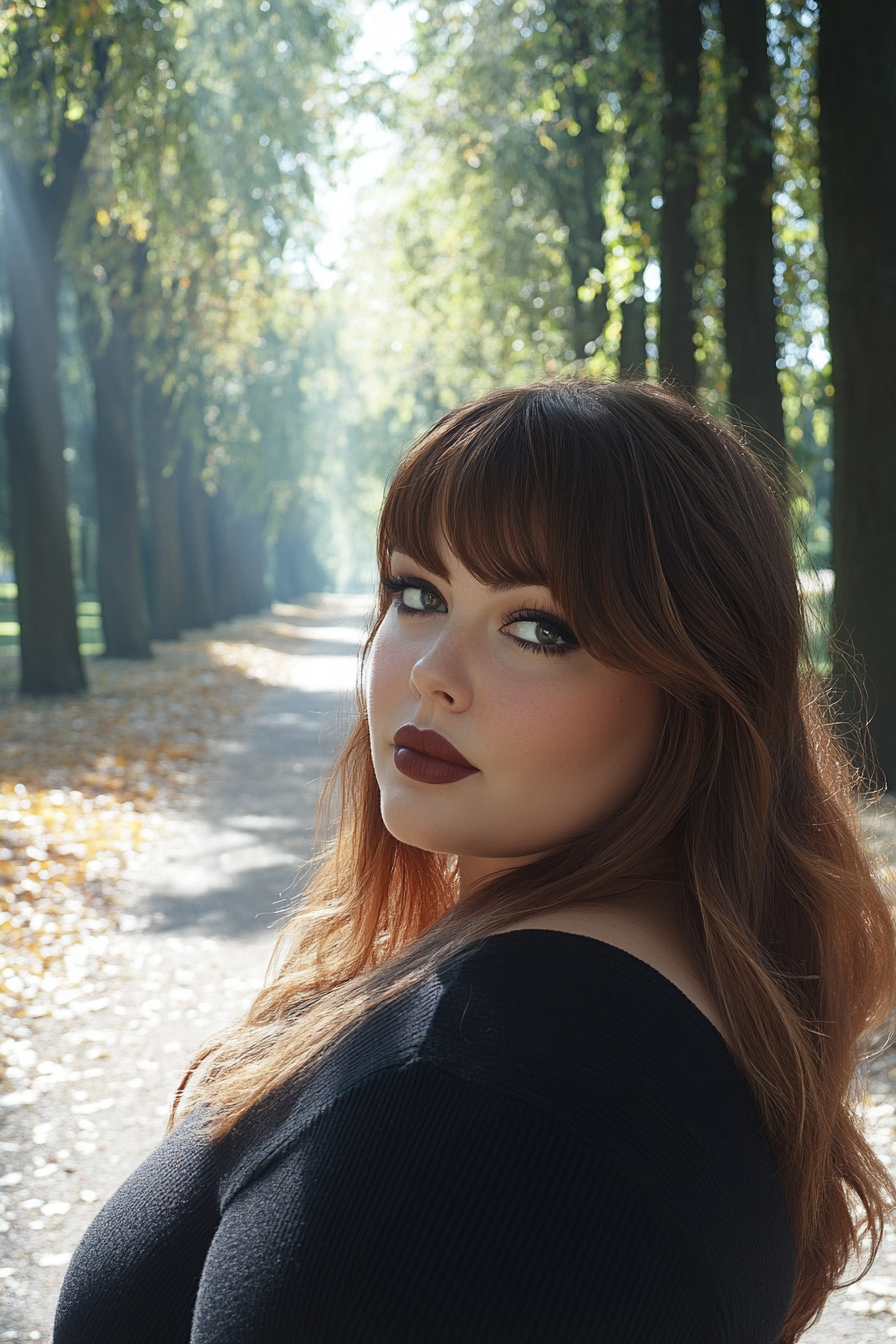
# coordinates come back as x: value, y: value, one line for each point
x: 427, y: 757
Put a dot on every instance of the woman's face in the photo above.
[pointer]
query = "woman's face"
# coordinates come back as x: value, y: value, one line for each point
x: 553, y: 740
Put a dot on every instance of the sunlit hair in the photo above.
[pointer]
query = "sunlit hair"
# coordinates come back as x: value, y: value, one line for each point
x: 660, y: 538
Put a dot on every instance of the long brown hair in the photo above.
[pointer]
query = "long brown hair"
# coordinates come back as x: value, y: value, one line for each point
x: 667, y: 551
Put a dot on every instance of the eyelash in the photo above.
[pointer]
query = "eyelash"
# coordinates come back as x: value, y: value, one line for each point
x: 398, y: 583
x: 543, y: 618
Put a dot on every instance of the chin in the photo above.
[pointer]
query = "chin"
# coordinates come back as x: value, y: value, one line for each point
x: 432, y: 839
x: 411, y: 828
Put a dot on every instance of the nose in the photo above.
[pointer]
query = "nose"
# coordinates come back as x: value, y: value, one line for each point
x: 441, y: 676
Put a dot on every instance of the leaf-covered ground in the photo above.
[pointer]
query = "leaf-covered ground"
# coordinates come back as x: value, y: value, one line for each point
x: 201, y: 766
x: 81, y: 782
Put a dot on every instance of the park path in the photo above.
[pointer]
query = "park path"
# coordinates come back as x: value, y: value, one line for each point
x: 190, y: 951
x: 93, y: 1081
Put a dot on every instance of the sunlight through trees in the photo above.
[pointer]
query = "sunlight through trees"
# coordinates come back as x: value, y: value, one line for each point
x: 216, y: 344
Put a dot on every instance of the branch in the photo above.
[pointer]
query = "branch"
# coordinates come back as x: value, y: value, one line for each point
x: 74, y: 139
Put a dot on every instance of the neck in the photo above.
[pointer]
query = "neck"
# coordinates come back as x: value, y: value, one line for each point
x: 473, y: 871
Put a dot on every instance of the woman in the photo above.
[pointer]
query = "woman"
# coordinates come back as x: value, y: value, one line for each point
x: 559, y: 1046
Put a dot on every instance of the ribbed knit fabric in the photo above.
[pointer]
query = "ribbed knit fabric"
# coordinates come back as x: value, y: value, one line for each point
x: 545, y: 1144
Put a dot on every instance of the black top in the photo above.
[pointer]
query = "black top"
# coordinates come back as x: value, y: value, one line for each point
x: 545, y: 1144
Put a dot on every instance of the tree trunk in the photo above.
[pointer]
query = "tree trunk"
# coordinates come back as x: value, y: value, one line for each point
x: 750, y: 320
x: 223, y: 565
x: 585, y: 249
x: 857, y: 126
x: 633, y: 338
x: 577, y: 183
x: 50, y: 655
x: 297, y: 569
x: 258, y: 564
x: 251, y: 590
x: 161, y: 486
x: 681, y: 30
x: 120, y: 564
x: 288, y: 577
x: 197, y: 595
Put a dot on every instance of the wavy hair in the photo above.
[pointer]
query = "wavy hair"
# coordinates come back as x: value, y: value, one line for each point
x: 661, y: 538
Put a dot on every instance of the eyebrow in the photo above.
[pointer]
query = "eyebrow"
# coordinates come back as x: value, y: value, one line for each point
x: 516, y: 583
x: 494, y: 588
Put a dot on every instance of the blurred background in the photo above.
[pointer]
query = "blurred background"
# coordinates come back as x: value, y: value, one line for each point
x: 248, y: 250
x: 251, y: 247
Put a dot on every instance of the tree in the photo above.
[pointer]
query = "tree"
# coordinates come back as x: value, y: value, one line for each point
x: 642, y: 148
x: 750, y: 312
x: 57, y: 67
x: 194, y: 512
x: 119, y: 562
x: 107, y: 330
x: 632, y: 353
x: 165, y: 569
x: 681, y: 28
x: 187, y: 203
x: 576, y: 171
x: 35, y: 436
x: 511, y: 112
x: 857, y: 127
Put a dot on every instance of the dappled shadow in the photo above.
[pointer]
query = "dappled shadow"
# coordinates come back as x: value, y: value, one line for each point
x: 246, y: 911
x: 234, y: 867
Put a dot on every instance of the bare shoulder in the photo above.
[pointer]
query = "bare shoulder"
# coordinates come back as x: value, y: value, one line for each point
x: 645, y: 926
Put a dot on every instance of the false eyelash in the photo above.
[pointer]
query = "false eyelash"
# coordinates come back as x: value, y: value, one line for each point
x: 547, y: 617
x: 398, y: 582
x: 530, y: 614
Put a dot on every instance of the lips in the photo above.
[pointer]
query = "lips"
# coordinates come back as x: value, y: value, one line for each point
x: 425, y: 756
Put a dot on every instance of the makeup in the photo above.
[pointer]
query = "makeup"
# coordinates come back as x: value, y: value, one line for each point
x: 425, y: 756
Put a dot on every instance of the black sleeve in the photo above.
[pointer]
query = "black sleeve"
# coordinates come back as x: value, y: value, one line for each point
x: 134, y: 1275
x: 423, y: 1207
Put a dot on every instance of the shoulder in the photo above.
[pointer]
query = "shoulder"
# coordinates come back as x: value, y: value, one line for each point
x: 566, y: 1026
x: 548, y: 1091
x: 553, y: 1011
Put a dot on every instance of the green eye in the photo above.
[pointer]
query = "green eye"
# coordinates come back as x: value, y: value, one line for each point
x: 422, y: 599
x: 539, y: 632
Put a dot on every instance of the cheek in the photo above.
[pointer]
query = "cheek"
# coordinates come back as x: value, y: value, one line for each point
x: 386, y: 674
x: 585, y: 745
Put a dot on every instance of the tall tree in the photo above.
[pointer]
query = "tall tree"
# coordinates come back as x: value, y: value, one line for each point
x: 224, y: 564
x: 514, y: 102
x: 58, y: 66
x: 195, y: 513
x: 632, y: 338
x: 191, y: 193
x: 107, y: 330
x: 857, y: 126
x: 750, y: 312
x: 681, y: 29
x: 119, y: 562
x: 578, y: 176
x: 165, y: 597
x: 35, y: 434
x: 641, y: 147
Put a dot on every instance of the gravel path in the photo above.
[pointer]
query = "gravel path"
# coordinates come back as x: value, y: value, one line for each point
x: 93, y: 1082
